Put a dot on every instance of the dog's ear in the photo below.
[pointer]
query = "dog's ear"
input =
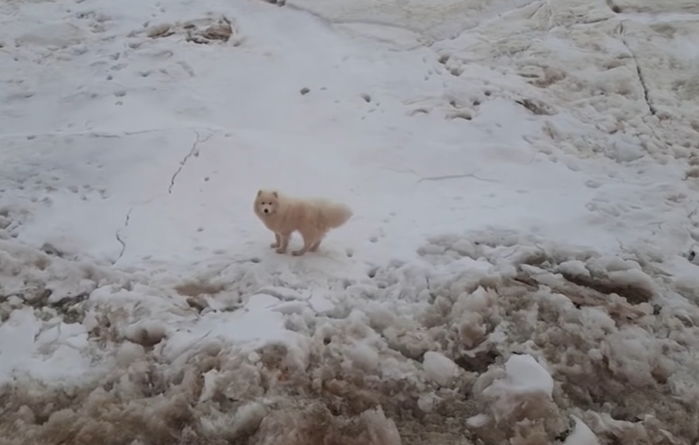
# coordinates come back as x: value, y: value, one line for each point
x: 259, y: 192
x: 276, y: 195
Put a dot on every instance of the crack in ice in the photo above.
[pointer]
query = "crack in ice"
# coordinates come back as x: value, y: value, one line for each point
x: 639, y: 72
x: 440, y: 177
x: 459, y: 176
x: 192, y: 152
x: 105, y: 133
x: 118, y: 237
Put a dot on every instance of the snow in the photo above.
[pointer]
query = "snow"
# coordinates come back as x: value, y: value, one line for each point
x: 523, y: 250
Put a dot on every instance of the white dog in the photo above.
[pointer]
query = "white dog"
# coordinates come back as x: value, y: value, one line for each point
x: 313, y: 218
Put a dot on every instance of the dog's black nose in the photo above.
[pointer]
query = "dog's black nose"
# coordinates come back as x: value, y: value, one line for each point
x: 266, y: 210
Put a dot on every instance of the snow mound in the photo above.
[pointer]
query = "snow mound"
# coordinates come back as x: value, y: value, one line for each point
x: 382, y: 367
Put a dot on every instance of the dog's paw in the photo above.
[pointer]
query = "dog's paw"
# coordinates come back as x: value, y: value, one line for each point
x: 281, y: 250
x: 298, y: 252
x: 274, y: 245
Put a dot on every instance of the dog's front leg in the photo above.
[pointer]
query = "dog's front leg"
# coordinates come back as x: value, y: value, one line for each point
x: 276, y: 242
x: 283, y: 242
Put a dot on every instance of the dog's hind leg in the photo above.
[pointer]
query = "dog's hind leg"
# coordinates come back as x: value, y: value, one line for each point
x: 276, y: 243
x: 308, y: 243
x: 315, y: 245
x: 318, y: 239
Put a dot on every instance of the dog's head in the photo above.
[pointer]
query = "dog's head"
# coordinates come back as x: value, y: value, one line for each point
x: 266, y: 202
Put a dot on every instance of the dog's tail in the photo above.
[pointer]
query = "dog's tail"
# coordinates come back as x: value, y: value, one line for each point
x: 336, y: 215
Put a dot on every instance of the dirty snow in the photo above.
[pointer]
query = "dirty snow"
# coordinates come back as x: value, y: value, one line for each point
x: 522, y: 266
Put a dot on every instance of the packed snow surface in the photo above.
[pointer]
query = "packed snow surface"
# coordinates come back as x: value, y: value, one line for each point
x: 522, y: 266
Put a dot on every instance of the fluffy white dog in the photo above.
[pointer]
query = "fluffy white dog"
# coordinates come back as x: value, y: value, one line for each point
x: 312, y: 218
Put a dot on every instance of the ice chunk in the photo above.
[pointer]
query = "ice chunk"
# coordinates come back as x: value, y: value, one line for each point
x: 439, y: 368
x: 472, y: 329
x: 146, y: 333
x: 247, y: 418
x: 478, y: 421
x: 427, y: 402
x: 526, y: 375
x: 364, y: 356
x: 574, y: 268
x: 128, y: 353
x: 209, y: 388
x: 380, y: 429
x: 523, y: 391
x: 581, y: 435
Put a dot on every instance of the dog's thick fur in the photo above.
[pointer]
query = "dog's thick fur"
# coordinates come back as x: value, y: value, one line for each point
x: 312, y: 218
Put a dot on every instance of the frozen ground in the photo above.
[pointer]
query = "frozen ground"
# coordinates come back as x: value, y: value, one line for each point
x: 522, y: 266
